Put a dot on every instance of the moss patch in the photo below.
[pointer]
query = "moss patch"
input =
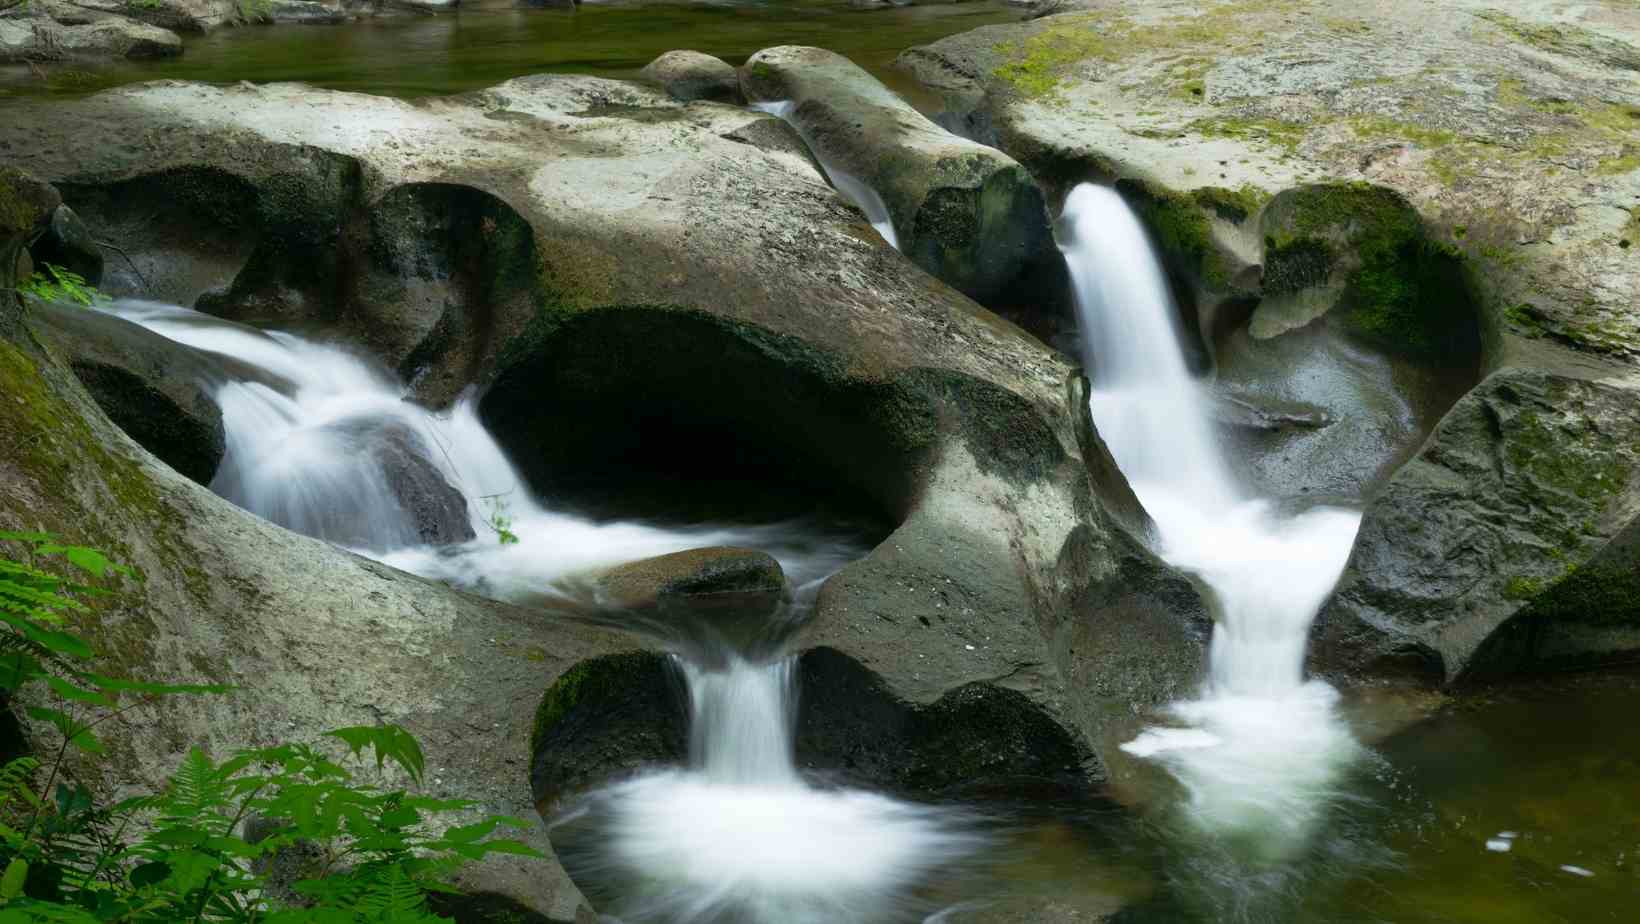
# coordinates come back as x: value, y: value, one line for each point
x: 1405, y: 291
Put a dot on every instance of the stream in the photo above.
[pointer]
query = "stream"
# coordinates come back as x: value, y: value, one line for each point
x: 1264, y: 797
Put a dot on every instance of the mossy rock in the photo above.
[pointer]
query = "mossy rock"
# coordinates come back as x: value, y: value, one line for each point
x: 604, y: 718
x: 1399, y: 288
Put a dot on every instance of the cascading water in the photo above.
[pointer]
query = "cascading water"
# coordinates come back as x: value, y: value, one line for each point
x: 850, y: 186
x: 740, y: 836
x: 1260, y: 751
x: 324, y: 443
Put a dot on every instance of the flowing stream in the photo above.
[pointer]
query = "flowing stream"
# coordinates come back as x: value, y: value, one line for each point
x: 1260, y: 751
x: 329, y: 445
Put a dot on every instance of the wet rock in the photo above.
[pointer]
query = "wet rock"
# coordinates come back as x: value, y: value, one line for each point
x: 690, y: 75
x: 157, y: 391
x: 604, y: 719
x: 976, y: 738
x: 68, y: 243
x: 707, y: 600
x: 1508, y: 544
x: 968, y: 214
x: 437, y: 511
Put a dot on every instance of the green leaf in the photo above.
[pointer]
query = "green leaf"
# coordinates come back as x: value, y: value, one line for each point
x: 90, y: 561
x: 11, y: 884
x: 77, y: 733
x: 390, y: 742
x: 78, y: 694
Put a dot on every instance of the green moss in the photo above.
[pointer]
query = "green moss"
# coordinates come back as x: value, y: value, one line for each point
x: 1522, y: 588
x: 1525, y: 319
x: 1379, y: 127
x: 1297, y: 264
x: 1406, y: 291
x: 600, y: 678
x: 1233, y: 205
x: 1276, y: 132
x: 1598, y: 594
x: 1581, y: 463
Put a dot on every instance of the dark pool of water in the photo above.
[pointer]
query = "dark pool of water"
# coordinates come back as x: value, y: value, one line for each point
x: 1550, y: 768
x: 491, y: 41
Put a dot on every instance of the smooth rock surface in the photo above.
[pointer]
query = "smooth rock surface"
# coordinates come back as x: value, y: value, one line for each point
x: 1507, y: 544
x: 690, y: 75
x: 968, y: 214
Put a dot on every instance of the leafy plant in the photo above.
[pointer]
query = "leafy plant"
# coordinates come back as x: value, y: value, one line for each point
x: 501, y: 521
x: 370, y: 854
x: 60, y: 285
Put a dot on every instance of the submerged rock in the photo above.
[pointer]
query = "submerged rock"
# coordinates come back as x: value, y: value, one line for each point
x: 707, y: 600
x: 1507, y: 544
x: 690, y: 75
x: 968, y: 214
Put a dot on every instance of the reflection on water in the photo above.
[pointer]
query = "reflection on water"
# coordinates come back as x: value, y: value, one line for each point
x: 488, y: 42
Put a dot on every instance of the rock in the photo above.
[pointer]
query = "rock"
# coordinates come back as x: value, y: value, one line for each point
x: 68, y: 243
x: 774, y: 135
x: 229, y: 598
x: 880, y: 387
x: 689, y: 75
x: 705, y: 599
x: 968, y: 214
x: 612, y: 716
x: 1256, y: 100
x: 189, y: 16
x: 41, y: 39
x: 311, y: 12
x: 26, y: 206
x: 437, y: 511
x: 1508, y: 544
x: 157, y: 391
x: 604, y: 719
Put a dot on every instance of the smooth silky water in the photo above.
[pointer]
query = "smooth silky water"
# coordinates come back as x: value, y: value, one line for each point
x: 1496, y: 810
x: 296, y: 432
x: 484, y: 43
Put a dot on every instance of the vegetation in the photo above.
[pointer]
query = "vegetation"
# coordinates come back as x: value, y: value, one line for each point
x: 60, y: 285
x: 202, y: 849
x: 500, y: 520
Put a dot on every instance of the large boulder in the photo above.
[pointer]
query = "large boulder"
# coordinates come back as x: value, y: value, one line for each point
x: 310, y: 637
x: 40, y: 38
x: 1509, y: 543
x: 617, y: 271
x: 187, y: 16
x: 968, y: 214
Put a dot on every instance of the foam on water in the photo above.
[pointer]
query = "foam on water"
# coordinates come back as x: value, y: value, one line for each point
x: 1260, y: 752
x: 740, y: 836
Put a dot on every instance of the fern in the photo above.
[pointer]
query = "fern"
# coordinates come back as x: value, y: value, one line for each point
x: 60, y: 285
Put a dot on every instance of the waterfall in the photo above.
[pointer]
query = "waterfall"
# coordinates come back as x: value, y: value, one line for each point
x: 325, y: 443
x: 1260, y: 750
x: 740, y: 835
x: 847, y: 184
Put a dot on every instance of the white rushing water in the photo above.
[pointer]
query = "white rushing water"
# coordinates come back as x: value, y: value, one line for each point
x: 1260, y: 751
x: 741, y: 836
x: 306, y: 424
x: 850, y: 186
